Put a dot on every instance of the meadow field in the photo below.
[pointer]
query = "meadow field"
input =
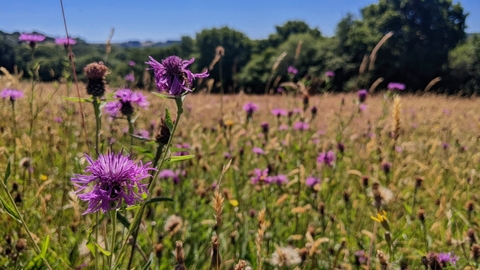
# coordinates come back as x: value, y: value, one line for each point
x: 320, y: 182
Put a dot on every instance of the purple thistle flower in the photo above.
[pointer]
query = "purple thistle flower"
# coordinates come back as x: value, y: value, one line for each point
x: 142, y: 133
x: 172, y: 75
x: 447, y: 258
x: 116, y: 179
x: 227, y: 155
x: 311, y: 181
x: 265, y: 127
x: 279, y: 179
x: 396, y: 86
x: 279, y: 112
x: 31, y: 38
x: 58, y: 120
x: 131, y: 63
x: 65, y: 41
x: 11, y: 94
x: 297, y: 110
x: 386, y: 167
x: 341, y: 147
x: 362, y: 107
x: 258, y: 151
x: 330, y: 74
x: 283, y: 127
x: 292, y: 70
x: 280, y: 90
x: 362, y: 95
x: 130, y: 77
x: 183, y: 146
x: 124, y: 104
x: 445, y: 146
x: 259, y: 175
x: 302, y: 126
x: 169, y: 174
x: 326, y: 158
x: 250, y: 107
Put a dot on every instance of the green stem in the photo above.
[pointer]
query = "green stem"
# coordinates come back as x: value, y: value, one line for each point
x: 134, y: 227
x: 131, y: 130
x: 14, y: 139
x: 98, y: 120
x: 113, y: 217
x: 22, y: 221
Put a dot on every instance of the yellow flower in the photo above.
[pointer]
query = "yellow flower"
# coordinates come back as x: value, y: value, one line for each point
x: 381, y: 217
x: 234, y: 203
x: 43, y: 177
x: 229, y: 123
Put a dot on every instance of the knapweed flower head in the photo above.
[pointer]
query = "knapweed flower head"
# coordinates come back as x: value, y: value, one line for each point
x: 169, y: 174
x: 173, y: 76
x: 361, y: 257
x: 65, y: 41
x: 95, y: 73
x: 283, y: 127
x: 311, y: 181
x: 278, y: 179
x: 183, y: 152
x: 130, y: 77
x: 250, y: 107
x: 11, y: 94
x: 326, y: 158
x: 362, y: 107
x: 330, y: 74
x: 259, y: 176
x: 32, y: 39
x: 396, y: 86
x: 116, y: 178
x: 444, y: 258
x: 124, y: 104
x: 362, y: 95
x: 279, y: 112
x: 292, y: 70
x: 302, y: 126
x: 258, y: 151
x: 131, y: 63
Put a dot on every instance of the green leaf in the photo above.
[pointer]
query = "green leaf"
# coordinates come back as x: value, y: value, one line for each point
x: 179, y: 158
x: 407, y: 208
x: 162, y: 95
x: 168, y: 120
x: 177, y: 149
x: 140, y: 137
x: 10, y: 210
x: 76, y: 99
x: 158, y: 199
x: 147, y: 265
x: 45, y: 246
x: 104, y: 251
x: 91, y: 247
x: 8, y: 171
x: 123, y: 220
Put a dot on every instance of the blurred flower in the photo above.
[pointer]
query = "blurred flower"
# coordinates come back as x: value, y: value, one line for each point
x: 11, y: 94
x: 172, y: 75
x: 184, y: 146
x: 447, y: 258
x: 330, y: 74
x: 396, y: 86
x: 116, y: 179
x: 361, y: 257
x: 381, y: 217
x: 341, y: 147
x: 285, y: 256
x: 362, y: 107
x: 314, y: 111
x: 227, y: 155
x: 279, y: 112
x: 398, y: 149
x: 280, y: 90
x: 58, y: 119
x: 131, y: 63
x: 265, y: 127
x: 292, y: 70
x: 125, y: 103
x: 283, y: 127
x: 297, y: 110
x: 169, y: 174
x: 301, y: 126
x: 173, y: 224
x: 279, y: 179
x: 130, y: 77
x: 445, y: 145
x: 259, y: 175
x: 362, y: 95
x: 386, y: 167
x: 65, y: 41
x: 250, y: 107
x: 32, y: 39
x: 311, y: 181
x: 258, y: 151
x: 142, y: 133
x: 326, y: 158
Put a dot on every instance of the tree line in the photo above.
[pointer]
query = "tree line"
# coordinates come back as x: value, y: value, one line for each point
x: 422, y: 44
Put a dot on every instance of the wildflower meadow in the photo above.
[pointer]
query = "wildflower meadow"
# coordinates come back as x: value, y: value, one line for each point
x: 171, y: 176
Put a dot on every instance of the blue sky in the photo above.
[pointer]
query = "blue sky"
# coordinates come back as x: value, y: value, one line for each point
x: 161, y: 20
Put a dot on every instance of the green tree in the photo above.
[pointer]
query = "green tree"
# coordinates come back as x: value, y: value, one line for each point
x: 237, y: 48
x: 423, y: 34
x: 464, y: 63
